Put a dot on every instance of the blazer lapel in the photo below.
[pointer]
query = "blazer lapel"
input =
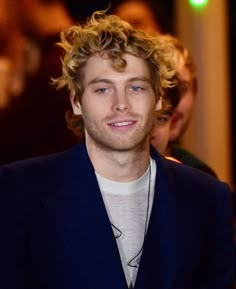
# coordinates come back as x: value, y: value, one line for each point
x: 86, y: 226
x: 160, y: 254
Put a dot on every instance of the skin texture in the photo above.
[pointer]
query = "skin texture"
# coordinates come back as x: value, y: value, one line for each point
x: 161, y: 132
x: 118, y: 109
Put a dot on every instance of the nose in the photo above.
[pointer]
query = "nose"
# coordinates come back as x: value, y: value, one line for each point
x: 121, y: 102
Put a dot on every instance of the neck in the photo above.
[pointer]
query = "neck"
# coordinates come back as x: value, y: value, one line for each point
x: 168, y: 151
x: 120, y: 166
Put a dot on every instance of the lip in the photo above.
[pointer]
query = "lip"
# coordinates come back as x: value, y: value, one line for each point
x: 121, y: 124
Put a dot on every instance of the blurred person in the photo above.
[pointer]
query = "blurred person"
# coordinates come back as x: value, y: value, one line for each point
x: 180, y: 119
x: 186, y: 70
x: 161, y: 131
x: 43, y: 18
x: 181, y: 115
x: 111, y: 212
x: 32, y: 124
x: 13, y: 71
x: 139, y: 14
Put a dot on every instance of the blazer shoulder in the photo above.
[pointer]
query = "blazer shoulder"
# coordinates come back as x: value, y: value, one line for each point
x: 33, y: 174
x: 188, y: 180
x: 195, y: 179
x: 44, y: 170
x: 28, y: 166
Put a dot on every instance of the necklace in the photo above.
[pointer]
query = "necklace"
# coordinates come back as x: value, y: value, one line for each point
x: 134, y: 261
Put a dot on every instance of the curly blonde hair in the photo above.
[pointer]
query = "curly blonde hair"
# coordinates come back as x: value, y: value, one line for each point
x: 110, y: 35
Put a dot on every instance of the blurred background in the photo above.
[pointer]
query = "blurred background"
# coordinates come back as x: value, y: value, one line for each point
x: 209, y: 32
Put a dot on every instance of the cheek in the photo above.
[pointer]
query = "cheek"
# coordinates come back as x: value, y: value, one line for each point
x: 159, y: 138
x: 92, y: 109
x: 146, y: 102
x: 187, y: 104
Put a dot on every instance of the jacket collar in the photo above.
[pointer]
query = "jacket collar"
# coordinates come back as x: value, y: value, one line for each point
x: 87, y: 210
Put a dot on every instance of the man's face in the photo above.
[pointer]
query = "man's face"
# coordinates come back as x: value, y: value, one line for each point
x: 161, y: 131
x: 183, y: 112
x: 118, y: 108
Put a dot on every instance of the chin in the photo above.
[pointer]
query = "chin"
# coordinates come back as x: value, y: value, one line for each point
x: 174, y: 137
x: 120, y: 146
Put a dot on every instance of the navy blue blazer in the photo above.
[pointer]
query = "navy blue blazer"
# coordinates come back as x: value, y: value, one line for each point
x: 55, y: 232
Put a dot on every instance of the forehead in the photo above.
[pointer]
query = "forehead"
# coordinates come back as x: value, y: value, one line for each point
x: 100, y: 66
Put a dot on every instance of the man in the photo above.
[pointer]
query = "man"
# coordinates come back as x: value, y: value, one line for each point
x: 161, y: 131
x: 111, y: 212
x: 182, y: 112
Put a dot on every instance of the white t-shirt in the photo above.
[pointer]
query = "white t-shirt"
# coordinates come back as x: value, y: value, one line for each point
x: 129, y: 206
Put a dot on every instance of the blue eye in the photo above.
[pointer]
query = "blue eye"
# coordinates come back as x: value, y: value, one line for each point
x: 102, y: 90
x: 136, y: 88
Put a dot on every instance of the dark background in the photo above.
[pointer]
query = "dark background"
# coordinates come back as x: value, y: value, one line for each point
x: 164, y: 10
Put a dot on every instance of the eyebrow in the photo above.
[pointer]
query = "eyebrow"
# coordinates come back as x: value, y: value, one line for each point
x: 109, y: 81
x: 144, y: 79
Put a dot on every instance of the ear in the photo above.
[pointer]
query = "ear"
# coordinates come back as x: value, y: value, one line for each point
x: 159, y: 104
x: 76, y: 106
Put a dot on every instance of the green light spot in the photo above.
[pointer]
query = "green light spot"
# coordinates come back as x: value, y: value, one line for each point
x: 198, y: 3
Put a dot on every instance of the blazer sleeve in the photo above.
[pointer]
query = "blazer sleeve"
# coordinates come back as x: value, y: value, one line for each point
x: 14, y: 243
x: 220, y: 238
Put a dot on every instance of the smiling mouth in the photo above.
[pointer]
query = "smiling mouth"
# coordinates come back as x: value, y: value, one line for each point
x: 122, y: 123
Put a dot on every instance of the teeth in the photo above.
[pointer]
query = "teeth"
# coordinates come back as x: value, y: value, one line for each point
x: 121, y: 123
